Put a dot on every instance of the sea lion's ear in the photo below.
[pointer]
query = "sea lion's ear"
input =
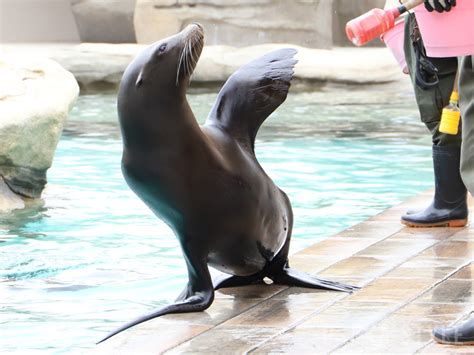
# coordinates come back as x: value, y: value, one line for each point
x: 139, y: 81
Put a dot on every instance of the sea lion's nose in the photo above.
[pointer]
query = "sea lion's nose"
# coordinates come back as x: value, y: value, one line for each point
x: 198, y: 25
x: 193, y: 27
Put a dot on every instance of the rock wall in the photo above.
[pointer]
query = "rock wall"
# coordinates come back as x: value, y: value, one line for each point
x: 107, y: 21
x: 345, y: 10
x: 36, y: 95
x: 310, y: 23
x: 239, y: 22
x: 37, y: 21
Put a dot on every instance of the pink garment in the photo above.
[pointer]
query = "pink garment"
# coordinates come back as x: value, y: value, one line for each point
x: 394, y: 40
x: 448, y: 34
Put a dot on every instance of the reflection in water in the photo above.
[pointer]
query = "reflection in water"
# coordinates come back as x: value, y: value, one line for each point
x: 94, y: 255
x: 20, y: 222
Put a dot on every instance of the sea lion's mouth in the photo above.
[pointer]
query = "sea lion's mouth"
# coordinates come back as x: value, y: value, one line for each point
x: 192, y: 48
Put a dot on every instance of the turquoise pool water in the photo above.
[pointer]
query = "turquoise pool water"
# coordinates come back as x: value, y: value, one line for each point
x: 93, y: 256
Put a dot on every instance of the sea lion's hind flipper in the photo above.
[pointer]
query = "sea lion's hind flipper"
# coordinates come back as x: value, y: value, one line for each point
x: 292, y: 277
x: 224, y: 281
x: 252, y: 93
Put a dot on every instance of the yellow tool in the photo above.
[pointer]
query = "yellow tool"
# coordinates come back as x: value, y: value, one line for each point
x: 451, y: 113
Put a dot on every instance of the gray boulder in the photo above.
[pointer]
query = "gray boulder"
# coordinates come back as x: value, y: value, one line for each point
x: 100, y: 66
x: 36, y: 95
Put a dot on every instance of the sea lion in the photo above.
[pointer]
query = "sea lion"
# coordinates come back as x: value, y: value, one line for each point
x: 205, y: 181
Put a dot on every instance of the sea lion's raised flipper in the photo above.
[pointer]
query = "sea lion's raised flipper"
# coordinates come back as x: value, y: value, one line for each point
x: 291, y: 277
x: 252, y: 93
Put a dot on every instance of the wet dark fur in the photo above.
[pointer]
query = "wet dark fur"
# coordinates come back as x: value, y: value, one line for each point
x: 205, y: 181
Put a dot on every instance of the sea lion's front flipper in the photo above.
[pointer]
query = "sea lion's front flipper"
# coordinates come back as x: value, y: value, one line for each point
x: 196, y: 296
x: 292, y: 277
x: 252, y: 93
x: 196, y: 303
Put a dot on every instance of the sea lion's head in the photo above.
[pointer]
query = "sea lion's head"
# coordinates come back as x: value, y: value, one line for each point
x: 166, y: 66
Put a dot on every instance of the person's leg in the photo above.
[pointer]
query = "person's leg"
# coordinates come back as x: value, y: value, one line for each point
x: 466, y: 93
x: 463, y: 333
x: 449, y: 206
x: 430, y: 99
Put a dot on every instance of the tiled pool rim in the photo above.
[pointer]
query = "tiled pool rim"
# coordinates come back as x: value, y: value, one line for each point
x: 412, y: 280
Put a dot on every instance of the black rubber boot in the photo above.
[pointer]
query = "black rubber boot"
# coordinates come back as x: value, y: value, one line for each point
x: 459, y: 334
x: 449, y: 206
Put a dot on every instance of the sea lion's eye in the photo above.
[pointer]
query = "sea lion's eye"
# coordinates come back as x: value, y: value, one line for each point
x: 162, y: 48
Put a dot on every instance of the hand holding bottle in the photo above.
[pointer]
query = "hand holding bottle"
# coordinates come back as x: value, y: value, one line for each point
x: 439, y: 5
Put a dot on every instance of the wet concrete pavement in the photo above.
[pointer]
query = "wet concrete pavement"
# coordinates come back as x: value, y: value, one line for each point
x: 412, y: 280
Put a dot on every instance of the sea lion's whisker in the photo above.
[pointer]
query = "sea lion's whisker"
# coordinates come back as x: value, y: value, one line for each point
x: 193, y: 51
x: 180, y: 63
x: 189, y: 56
x: 177, y: 71
x: 189, y: 53
x: 185, y: 59
x: 183, y: 68
x: 197, y: 46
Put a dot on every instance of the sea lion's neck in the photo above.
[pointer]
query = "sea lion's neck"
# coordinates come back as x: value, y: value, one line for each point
x: 165, y: 123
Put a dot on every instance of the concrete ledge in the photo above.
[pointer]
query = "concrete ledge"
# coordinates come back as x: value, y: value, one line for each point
x: 412, y: 280
x: 99, y: 66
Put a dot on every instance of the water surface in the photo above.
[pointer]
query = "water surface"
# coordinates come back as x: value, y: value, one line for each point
x: 93, y: 256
